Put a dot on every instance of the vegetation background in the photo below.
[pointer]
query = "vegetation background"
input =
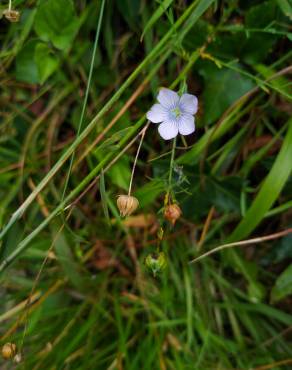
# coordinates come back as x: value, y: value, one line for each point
x: 77, y: 78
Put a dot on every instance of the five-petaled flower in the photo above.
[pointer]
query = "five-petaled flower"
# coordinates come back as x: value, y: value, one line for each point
x: 174, y: 113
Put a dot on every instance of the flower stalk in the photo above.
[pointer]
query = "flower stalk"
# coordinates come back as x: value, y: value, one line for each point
x: 128, y: 204
x: 171, y: 165
x: 143, y: 132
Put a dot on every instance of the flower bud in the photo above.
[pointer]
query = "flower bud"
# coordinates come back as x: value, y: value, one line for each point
x: 127, y: 205
x: 156, y: 262
x: 172, y: 212
x: 8, y: 350
x: 11, y: 15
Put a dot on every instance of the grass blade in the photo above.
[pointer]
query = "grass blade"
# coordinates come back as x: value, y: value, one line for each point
x: 270, y: 190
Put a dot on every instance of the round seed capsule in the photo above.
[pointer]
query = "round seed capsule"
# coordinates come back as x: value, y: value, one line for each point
x: 127, y: 204
x: 8, y: 350
x: 172, y: 213
x: 11, y: 15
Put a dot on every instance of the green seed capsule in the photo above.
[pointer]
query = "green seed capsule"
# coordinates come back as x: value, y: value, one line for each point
x: 156, y: 262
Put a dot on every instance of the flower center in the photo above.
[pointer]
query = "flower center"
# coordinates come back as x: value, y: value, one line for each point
x: 176, y: 112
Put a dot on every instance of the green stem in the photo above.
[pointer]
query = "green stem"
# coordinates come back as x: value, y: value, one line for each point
x: 171, y: 165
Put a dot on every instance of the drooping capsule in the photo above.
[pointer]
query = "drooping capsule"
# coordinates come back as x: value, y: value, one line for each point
x: 172, y: 213
x: 127, y: 204
x: 11, y: 15
x: 8, y: 350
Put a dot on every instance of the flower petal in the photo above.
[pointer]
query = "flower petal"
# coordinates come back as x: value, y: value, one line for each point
x: 168, y: 130
x: 168, y: 98
x: 157, y: 113
x: 186, y: 125
x: 189, y: 103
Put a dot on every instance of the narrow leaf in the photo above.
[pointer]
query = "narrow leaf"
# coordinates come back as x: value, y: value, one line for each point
x: 157, y: 14
x: 270, y: 190
x: 283, y: 285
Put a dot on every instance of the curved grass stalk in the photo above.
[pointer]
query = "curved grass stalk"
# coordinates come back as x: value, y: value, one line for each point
x: 150, y: 58
x: 270, y: 190
x: 243, y: 243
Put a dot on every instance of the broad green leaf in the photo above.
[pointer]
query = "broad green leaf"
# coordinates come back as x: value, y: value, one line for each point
x: 120, y: 173
x: 26, y: 69
x: 246, y: 41
x: 222, y: 87
x: 286, y: 7
x: 262, y: 14
x: 221, y: 192
x: 45, y: 60
x: 270, y: 190
x: 56, y: 21
x: 283, y: 285
x: 150, y: 191
x: 156, y: 15
x: 27, y: 22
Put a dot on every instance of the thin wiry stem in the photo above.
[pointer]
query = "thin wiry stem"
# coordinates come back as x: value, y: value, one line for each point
x: 115, y: 119
x: 105, y: 170
x: 137, y: 155
x: 86, y: 94
x: 171, y: 165
x: 244, y: 243
x: 10, y: 5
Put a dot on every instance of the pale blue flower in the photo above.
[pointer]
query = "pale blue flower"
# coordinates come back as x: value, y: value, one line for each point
x: 174, y: 113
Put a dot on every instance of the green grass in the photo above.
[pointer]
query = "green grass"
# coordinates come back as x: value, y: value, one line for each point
x: 77, y: 79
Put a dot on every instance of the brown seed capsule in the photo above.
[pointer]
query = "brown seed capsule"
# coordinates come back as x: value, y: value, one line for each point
x: 172, y: 212
x: 8, y: 350
x: 127, y: 205
x: 11, y: 15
